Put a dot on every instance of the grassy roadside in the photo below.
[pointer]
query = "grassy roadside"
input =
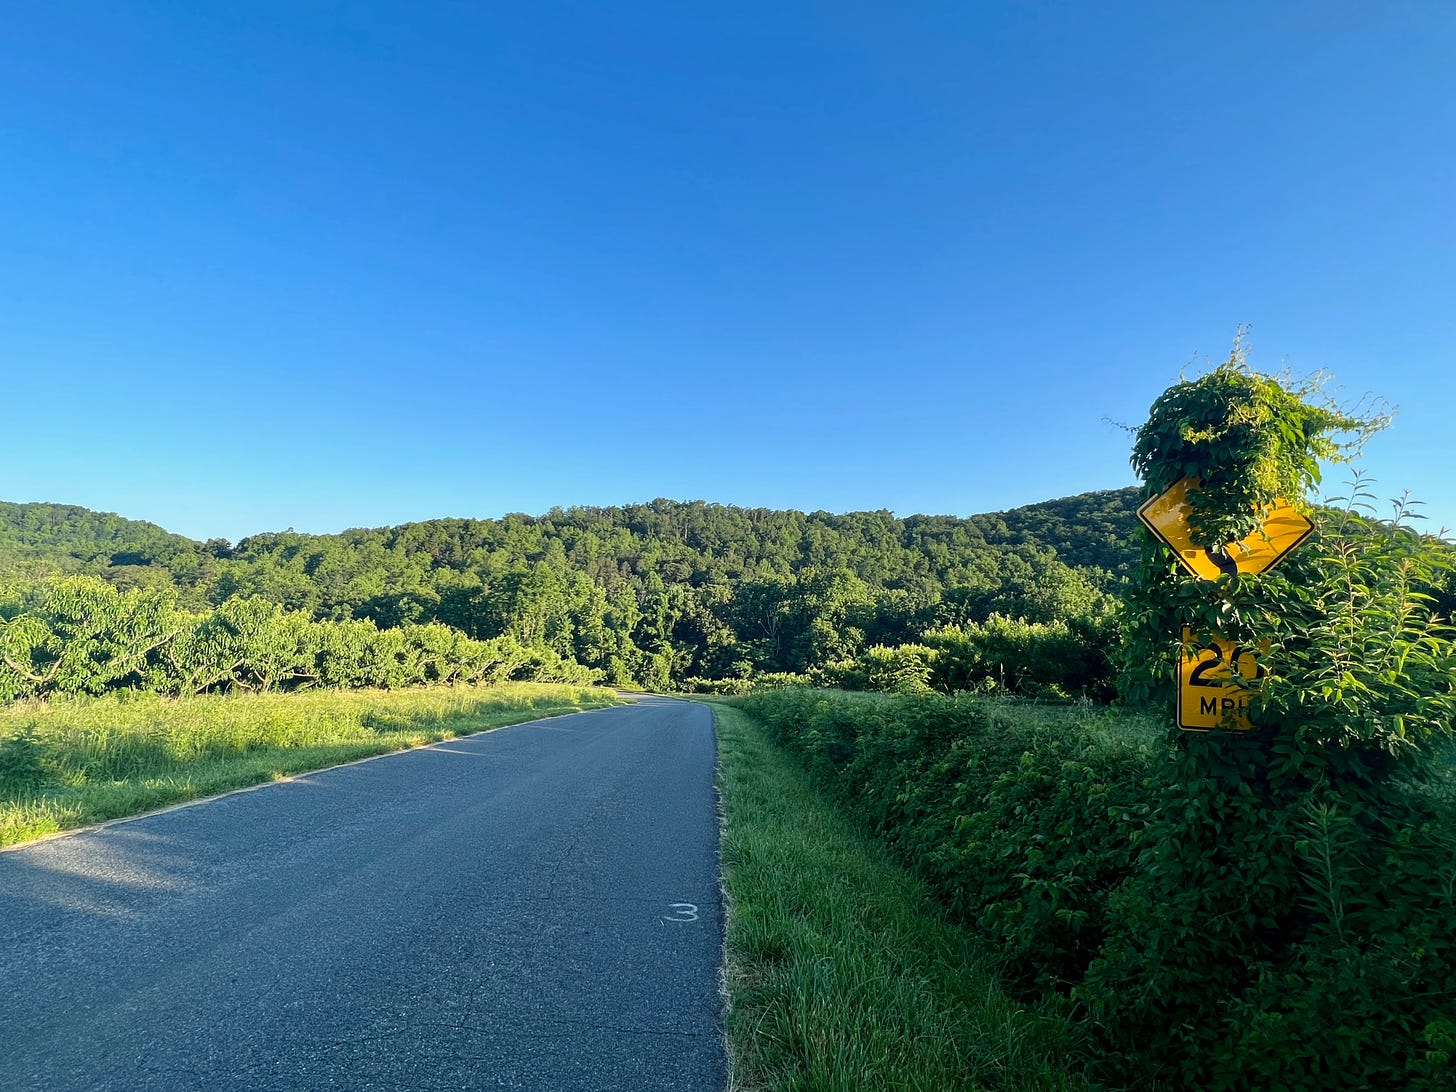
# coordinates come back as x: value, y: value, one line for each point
x: 841, y: 973
x: 69, y: 763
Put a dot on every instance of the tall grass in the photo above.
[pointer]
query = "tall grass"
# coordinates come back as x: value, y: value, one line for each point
x: 842, y: 974
x: 67, y: 763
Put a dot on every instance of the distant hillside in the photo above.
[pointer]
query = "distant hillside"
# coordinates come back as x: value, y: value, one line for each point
x: 37, y: 540
x: 1094, y: 530
x: 690, y: 587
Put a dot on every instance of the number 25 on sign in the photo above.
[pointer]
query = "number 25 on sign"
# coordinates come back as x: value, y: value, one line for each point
x: 1208, y: 695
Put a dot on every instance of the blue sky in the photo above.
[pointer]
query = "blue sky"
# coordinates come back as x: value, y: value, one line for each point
x: 325, y: 265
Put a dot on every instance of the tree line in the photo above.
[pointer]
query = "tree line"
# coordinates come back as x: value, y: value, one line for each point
x: 662, y: 595
x: 666, y: 595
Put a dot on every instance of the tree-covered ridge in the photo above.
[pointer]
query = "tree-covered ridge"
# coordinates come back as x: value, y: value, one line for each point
x: 1092, y: 530
x: 650, y: 593
x: 41, y: 539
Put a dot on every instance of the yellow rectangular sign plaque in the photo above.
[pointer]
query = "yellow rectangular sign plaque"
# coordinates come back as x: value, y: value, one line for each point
x: 1208, y: 696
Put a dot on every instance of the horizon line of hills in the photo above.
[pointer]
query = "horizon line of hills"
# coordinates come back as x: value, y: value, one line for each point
x: 1087, y: 529
x: 44, y: 520
x: 659, y: 592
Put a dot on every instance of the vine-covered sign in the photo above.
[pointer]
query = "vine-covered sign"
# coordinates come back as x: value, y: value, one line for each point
x: 1213, y: 684
x: 1168, y: 516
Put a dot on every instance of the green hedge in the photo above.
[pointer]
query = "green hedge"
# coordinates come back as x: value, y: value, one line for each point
x: 1068, y: 842
x: 1057, y: 659
x: 1021, y: 827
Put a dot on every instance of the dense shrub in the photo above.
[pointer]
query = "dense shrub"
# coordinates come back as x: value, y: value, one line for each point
x: 1020, y: 828
x: 697, y: 685
x: 21, y: 763
x: 1055, y: 843
x: 903, y: 669
x: 1054, y: 660
x: 776, y: 680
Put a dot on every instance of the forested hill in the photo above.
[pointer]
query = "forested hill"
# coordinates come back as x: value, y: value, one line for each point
x: 1091, y: 530
x: 47, y: 538
x: 666, y: 590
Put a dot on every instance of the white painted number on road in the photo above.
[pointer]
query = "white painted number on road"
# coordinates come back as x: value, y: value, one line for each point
x: 681, y: 912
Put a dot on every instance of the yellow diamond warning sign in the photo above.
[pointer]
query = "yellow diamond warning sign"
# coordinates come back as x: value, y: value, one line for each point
x: 1209, y: 695
x: 1167, y: 516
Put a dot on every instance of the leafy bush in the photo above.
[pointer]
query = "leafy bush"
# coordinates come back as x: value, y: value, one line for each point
x: 1056, y: 660
x: 1034, y: 659
x: 1021, y: 829
x: 697, y: 685
x: 904, y: 669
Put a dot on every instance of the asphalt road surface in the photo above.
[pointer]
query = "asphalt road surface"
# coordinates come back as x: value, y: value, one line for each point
x: 532, y: 908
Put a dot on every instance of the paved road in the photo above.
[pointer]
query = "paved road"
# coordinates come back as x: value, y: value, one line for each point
x: 533, y: 908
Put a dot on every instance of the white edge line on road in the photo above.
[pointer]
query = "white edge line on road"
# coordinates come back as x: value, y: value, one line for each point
x: 119, y: 820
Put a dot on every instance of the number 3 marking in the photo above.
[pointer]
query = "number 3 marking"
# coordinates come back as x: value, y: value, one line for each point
x: 682, y: 912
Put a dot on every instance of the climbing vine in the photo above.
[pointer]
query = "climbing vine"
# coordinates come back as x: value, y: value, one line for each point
x: 1249, y: 439
x: 1290, y: 921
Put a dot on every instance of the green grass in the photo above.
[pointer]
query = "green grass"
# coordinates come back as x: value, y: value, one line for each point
x: 841, y: 972
x: 68, y: 763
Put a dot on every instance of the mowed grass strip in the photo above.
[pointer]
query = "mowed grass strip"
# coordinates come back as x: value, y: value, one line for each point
x: 841, y: 972
x: 69, y: 763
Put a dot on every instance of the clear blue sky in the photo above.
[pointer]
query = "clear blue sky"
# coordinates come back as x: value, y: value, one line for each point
x: 325, y: 265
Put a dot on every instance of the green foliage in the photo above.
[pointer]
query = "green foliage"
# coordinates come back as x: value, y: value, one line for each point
x: 1289, y: 921
x: 39, y: 541
x: 905, y: 669
x: 1020, y: 827
x: 1247, y: 438
x: 1056, y: 659
x: 1089, y: 532
x: 82, y: 636
x: 650, y: 594
x: 1364, y: 672
x: 21, y: 769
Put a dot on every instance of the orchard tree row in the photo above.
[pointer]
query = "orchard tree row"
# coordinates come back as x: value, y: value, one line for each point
x: 79, y: 635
